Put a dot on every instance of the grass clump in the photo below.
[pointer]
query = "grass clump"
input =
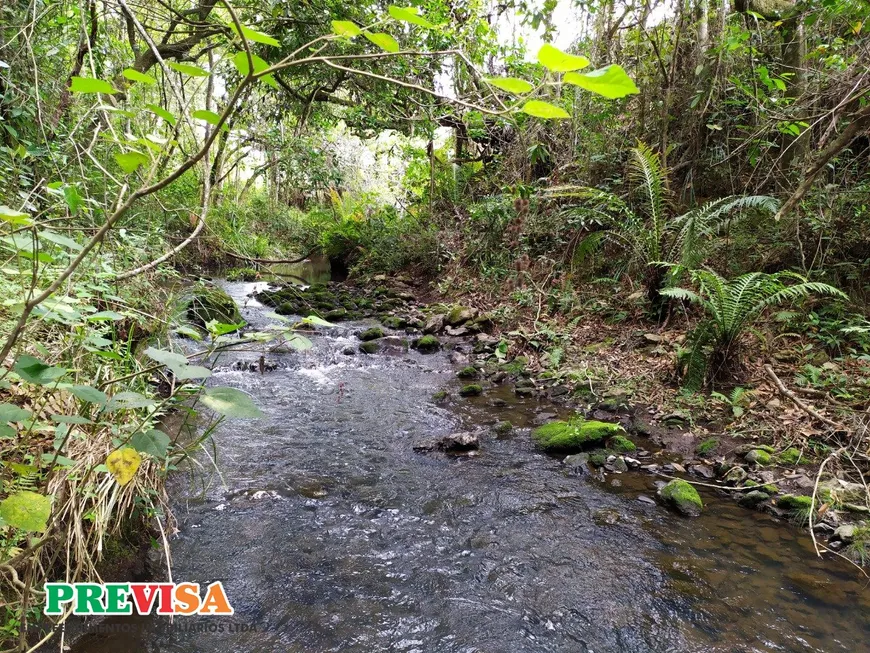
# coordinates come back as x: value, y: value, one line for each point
x: 575, y: 434
x: 707, y: 446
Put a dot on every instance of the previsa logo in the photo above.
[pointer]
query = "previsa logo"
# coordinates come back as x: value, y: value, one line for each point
x: 144, y: 598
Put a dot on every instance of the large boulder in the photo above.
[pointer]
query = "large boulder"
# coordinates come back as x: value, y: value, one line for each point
x: 575, y: 434
x: 460, y: 315
x: 206, y: 302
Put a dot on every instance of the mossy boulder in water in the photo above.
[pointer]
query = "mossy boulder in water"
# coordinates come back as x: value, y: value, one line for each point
x: 471, y: 390
x: 371, y: 334
x: 370, y: 347
x: 427, y: 344
x: 207, y: 302
x: 467, y: 373
x: 242, y: 274
x: 682, y: 496
x: 394, y: 322
x: 575, y: 434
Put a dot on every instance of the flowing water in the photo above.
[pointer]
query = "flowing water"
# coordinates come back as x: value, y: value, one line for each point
x: 330, y: 534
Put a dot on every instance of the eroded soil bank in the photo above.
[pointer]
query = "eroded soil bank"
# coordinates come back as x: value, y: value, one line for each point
x: 331, y: 533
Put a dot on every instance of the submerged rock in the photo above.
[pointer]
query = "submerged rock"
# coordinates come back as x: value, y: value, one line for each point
x: 575, y: 434
x: 462, y: 442
x: 753, y: 498
x: 502, y: 428
x: 682, y: 496
x: 370, y: 347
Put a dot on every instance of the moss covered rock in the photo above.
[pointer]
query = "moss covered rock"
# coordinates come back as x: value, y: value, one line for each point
x: 460, y: 315
x: 682, y: 496
x: 757, y: 457
x: 575, y: 434
x: 471, y: 390
x: 502, y: 428
x: 370, y: 347
x: 794, y: 502
x: 440, y: 396
x: 371, y: 334
x: 394, y: 322
x: 621, y: 444
x: 207, y: 302
x: 467, y: 373
x: 427, y: 344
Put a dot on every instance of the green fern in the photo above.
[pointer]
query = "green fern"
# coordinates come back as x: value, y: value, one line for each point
x: 661, y: 247
x: 731, y: 306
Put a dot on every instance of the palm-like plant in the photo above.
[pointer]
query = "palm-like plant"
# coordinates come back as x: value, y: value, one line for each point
x: 731, y: 306
x: 658, y: 244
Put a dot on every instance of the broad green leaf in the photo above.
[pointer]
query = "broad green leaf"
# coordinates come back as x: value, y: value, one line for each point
x: 7, y: 432
x: 163, y: 113
x: 345, y: 28
x: 560, y: 62
x: 26, y: 510
x: 35, y: 371
x: 254, y: 35
x: 189, y: 332
x: 21, y: 469
x: 152, y: 442
x: 219, y: 328
x: 612, y: 82
x: 13, y: 413
x: 545, y: 110
x: 231, y: 403
x: 210, y: 117
x: 129, y: 401
x: 103, y: 316
x: 71, y: 419
x: 136, y: 76
x: 300, y: 343
x: 383, y: 41
x: 90, y: 85
x: 409, y: 15
x: 123, y: 464
x: 187, y: 69
x: 240, y: 60
x: 89, y: 394
x: 511, y: 84
x: 313, y: 319
x: 60, y: 461
x: 11, y: 215
x: 57, y: 239
x: 72, y: 198
x: 130, y: 161
x: 177, y: 363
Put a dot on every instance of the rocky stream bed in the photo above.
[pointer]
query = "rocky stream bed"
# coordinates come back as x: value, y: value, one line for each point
x: 410, y: 489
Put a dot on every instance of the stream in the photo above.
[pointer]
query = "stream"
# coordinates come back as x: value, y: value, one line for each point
x: 330, y: 533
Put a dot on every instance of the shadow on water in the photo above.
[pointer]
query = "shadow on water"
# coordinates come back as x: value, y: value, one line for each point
x: 331, y: 534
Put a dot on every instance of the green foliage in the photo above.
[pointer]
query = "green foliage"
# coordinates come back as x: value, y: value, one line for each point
x: 731, y: 306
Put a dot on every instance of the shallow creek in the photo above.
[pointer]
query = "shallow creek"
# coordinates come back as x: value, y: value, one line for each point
x: 330, y: 534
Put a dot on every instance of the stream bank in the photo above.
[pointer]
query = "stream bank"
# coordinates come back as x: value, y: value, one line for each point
x: 330, y: 533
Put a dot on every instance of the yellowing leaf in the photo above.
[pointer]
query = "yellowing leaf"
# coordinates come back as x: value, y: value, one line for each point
x: 26, y: 510
x: 123, y: 464
x: 409, y: 15
x: 383, y: 41
x: 11, y: 215
x: 558, y: 61
x: 345, y: 28
x: 545, y: 110
x: 511, y: 84
x: 612, y: 82
x: 90, y: 85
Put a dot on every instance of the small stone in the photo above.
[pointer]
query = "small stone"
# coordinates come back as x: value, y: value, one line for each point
x: 845, y: 533
x: 618, y: 465
x: 576, y: 460
x: 702, y: 470
x: 543, y: 418
x: 434, y: 324
x: 558, y: 391
x: 677, y: 467
x: 457, y: 331
x: 652, y: 337
x: 632, y: 462
x: 752, y: 499
x: 502, y: 428
x: 453, y: 443
x: 735, y: 476
x: 645, y: 499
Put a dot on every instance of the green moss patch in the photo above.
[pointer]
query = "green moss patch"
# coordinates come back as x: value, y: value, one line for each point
x: 371, y: 334
x: 621, y: 444
x: 467, y: 373
x: 575, y: 434
x: 370, y: 347
x: 758, y: 457
x: 427, y: 344
x: 471, y: 390
x: 707, y: 446
x: 791, y: 456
